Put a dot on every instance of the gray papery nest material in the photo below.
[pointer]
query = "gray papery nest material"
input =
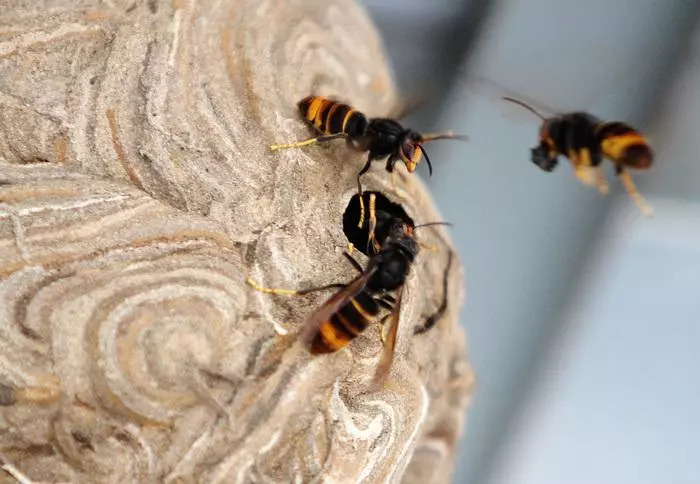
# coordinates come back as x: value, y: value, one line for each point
x: 137, y: 192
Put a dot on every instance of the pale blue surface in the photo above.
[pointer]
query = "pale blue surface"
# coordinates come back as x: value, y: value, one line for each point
x: 620, y: 402
x: 523, y: 233
x: 525, y: 238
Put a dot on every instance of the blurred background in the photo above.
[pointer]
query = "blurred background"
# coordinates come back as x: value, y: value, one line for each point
x: 582, y: 315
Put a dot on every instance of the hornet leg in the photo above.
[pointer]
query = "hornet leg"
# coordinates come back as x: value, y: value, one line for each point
x: 290, y: 292
x: 631, y: 188
x: 601, y: 182
x: 307, y: 142
x: 359, y: 189
x: 371, y: 241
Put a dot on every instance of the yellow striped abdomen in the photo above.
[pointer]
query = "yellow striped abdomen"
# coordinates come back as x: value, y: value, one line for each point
x: 624, y: 145
x: 345, y: 325
x: 332, y: 117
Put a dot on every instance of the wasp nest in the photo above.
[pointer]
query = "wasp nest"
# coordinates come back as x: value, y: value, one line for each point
x: 137, y: 192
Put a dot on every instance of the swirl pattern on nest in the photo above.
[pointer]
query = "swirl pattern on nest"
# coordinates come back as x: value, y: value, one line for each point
x: 137, y: 192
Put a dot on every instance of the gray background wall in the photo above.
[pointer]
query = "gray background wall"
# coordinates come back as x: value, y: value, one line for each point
x: 582, y: 315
